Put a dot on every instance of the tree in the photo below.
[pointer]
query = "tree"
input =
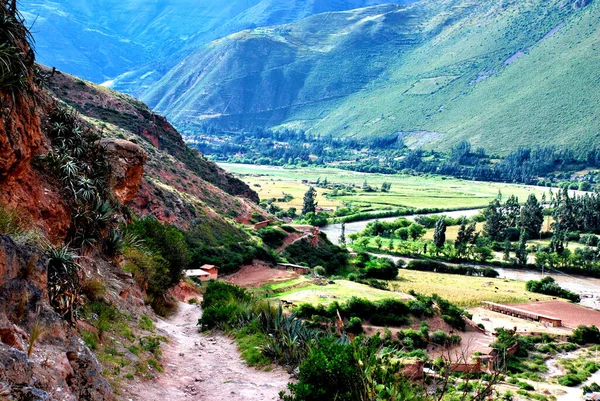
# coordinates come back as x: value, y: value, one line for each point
x: 466, y: 238
x: 494, y: 226
x: 378, y: 242
x: 343, y: 235
x: 511, y: 211
x: 439, y: 234
x: 522, y: 249
x: 416, y: 231
x: 532, y: 217
x: 309, y: 205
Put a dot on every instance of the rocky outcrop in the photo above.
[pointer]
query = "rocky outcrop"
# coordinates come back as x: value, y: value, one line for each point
x: 126, y: 160
x: 61, y: 366
x: 20, y: 135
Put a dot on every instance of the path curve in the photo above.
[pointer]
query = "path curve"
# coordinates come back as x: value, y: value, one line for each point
x: 205, y: 367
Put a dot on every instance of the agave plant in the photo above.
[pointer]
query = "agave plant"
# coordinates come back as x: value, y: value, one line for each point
x: 63, y: 280
x: 15, y: 65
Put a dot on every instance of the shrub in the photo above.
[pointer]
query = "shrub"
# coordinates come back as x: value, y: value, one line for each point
x: 320, y: 271
x: 570, y: 380
x: 330, y: 256
x: 585, y: 335
x: 167, y: 241
x: 354, y: 326
x: 272, y: 236
x: 381, y: 268
x: 548, y: 286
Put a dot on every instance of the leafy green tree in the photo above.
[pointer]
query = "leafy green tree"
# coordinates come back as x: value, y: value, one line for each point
x: 309, y: 205
x: 466, y: 238
x: 378, y: 242
x: 511, y: 211
x: 439, y: 234
x: 522, y: 249
x: 416, y: 231
x: 495, y: 225
x: 532, y: 217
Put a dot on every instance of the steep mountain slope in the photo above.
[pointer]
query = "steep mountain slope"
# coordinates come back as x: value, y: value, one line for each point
x: 179, y: 185
x: 138, y: 41
x: 74, y: 320
x: 500, y: 74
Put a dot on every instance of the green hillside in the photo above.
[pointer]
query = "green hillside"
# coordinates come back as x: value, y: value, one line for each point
x: 500, y: 74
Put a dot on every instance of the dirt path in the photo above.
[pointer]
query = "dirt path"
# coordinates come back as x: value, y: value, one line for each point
x: 206, y: 368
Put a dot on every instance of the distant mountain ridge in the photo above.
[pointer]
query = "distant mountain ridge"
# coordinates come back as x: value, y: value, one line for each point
x: 500, y: 74
x: 132, y: 42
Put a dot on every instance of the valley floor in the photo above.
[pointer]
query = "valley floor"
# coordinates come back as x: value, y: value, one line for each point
x: 205, y: 367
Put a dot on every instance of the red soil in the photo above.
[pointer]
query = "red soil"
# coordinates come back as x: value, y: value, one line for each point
x: 258, y: 274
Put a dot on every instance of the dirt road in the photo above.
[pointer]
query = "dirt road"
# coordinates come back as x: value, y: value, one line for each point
x: 206, y: 368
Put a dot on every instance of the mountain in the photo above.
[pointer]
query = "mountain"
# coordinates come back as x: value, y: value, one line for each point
x: 500, y: 74
x: 132, y: 43
x: 102, y: 207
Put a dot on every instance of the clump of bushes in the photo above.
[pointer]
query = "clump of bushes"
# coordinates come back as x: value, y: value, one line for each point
x: 438, y: 267
x: 271, y: 236
x: 585, y: 335
x: 387, y: 312
x: 328, y: 255
x: 548, y: 286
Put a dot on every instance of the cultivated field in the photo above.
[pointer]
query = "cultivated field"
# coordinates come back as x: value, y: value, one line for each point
x: 461, y: 290
x: 305, y: 290
x: 406, y: 190
x: 465, y: 290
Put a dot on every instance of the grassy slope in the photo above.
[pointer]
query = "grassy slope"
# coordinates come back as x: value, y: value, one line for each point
x: 411, y: 191
x: 388, y: 69
x: 461, y: 290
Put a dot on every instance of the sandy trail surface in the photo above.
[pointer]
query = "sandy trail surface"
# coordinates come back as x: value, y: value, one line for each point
x: 205, y: 367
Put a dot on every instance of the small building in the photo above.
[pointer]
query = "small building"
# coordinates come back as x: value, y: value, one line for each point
x: 199, y: 274
x: 262, y: 224
x: 295, y: 268
x: 212, y: 270
x: 524, y: 314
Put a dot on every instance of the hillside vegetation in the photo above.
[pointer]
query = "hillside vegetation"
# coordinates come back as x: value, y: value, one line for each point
x: 500, y: 74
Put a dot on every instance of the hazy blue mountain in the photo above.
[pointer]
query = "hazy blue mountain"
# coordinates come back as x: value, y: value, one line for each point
x: 101, y: 40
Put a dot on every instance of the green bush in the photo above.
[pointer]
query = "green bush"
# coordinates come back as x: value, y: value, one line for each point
x: 585, y: 335
x: 570, y: 380
x: 354, y: 326
x: 548, y: 286
x: 272, y: 237
x: 328, y: 255
x: 381, y: 268
x: 166, y: 241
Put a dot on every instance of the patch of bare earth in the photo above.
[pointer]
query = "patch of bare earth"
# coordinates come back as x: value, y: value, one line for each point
x: 205, y: 367
x: 258, y: 274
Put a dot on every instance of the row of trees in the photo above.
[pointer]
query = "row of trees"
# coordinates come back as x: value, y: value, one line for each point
x: 510, y: 220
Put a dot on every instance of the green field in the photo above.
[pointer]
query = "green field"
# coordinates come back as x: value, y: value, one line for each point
x: 407, y: 190
x: 462, y: 290
x: 341, y: 291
